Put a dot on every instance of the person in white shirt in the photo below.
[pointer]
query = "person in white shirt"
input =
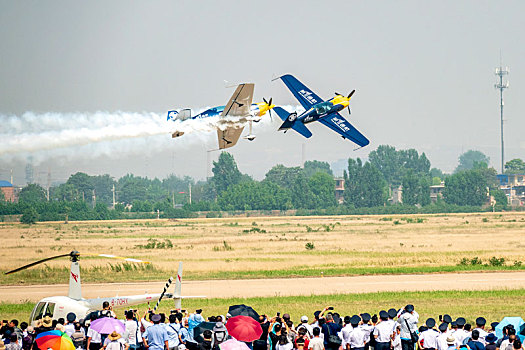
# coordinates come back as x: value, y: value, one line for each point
x: 480, y: 327
x: 94, y: 338
x: 428, y: 338
x: 304, y: 324
x: 345, y: 332
x: 383, y: 332
x: 316, y: 343
x: 460, y: 333
x: 396, y: 341
x: 114, y: 341
x: 442, y: 337
x: 284, y: 343
x: 407, y: 318
x: 69, y: 328
x: 366, y: 327
x: 132, y: 333
x: 356, y: 338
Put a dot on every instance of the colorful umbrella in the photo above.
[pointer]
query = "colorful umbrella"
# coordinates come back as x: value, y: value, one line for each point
x: 55, y: 340
x: 244, y: 328
x: 233, y: 344
x: 106, y: 325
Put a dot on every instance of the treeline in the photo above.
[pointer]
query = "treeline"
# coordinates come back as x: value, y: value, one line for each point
x: 369, y: 187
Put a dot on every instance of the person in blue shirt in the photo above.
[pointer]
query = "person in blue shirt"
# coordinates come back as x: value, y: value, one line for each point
x: 474, y: 343
x: 330, y: 328
x: 156, y: 336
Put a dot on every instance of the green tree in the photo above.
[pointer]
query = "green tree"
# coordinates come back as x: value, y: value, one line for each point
x: 313, y: 166
x: 2, y: 197
x: 515, y: 166
x: 103, y: 185
x: 225, y: 172
x: 32, y: 194
x: 65, y: 192
x: 416, y: 189
x: 394, y: 164
x: 29, y: 216
x: 322, y: 187
x: 283, y: 176
x: 467, y: 187
x: 364, y: 185
x: 83, y: 183
x: 470, y: 159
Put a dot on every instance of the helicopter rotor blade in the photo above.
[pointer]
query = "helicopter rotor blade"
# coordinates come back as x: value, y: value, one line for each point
x: 36, y: 263
x: 351, y: 93
x: 121, y: 258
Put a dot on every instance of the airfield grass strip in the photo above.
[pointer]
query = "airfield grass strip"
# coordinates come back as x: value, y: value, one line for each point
x: 492, y: 304
x: 149, y: 273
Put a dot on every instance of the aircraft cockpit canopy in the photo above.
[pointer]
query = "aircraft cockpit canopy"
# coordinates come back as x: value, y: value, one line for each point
x: 323, y: 107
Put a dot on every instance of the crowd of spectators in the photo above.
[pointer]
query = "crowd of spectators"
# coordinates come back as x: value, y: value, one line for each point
x: 391, y: 329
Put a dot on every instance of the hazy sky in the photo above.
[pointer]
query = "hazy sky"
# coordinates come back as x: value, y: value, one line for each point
x: 423, y: 73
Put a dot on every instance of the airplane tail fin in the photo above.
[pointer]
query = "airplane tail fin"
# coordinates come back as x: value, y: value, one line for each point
x: 290, y: 122
x: 178, y: 288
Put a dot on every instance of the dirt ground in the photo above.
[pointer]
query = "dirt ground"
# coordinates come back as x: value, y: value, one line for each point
x: 211, y: 246
x: 283, y: 287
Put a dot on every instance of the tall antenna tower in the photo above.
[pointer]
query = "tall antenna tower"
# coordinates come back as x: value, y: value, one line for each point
x: 501, y: 85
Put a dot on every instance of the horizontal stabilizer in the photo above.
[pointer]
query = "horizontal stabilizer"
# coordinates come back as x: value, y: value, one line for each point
x: 302, y: 129
x: 281, y: 112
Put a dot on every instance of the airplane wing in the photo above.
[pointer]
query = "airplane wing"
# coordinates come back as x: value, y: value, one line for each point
x: 306, y: 97
x: 340, y: 125
x: 229, y: 137
x: 240, y: 103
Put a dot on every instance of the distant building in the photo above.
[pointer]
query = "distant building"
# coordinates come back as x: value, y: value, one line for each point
x: 436, y: 192
x: 9, y: 191
x: 514, y: 187
x: 396, y: 195
x: 339, y: 190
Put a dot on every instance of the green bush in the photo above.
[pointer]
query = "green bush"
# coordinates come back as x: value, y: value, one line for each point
x: 29, y: 216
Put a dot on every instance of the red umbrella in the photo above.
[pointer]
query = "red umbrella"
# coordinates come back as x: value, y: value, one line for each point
x: 244, y: 328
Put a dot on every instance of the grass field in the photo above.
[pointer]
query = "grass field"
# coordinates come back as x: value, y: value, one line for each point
x: 493, y: 305
x: 268, y: 247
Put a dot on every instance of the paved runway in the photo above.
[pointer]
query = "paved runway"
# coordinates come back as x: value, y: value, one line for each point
x: 283, y: 286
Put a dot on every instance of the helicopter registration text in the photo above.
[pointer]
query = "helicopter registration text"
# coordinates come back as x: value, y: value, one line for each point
x: 119, y: 301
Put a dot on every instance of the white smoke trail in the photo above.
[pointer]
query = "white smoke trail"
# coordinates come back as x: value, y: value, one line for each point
x: 90, y: 135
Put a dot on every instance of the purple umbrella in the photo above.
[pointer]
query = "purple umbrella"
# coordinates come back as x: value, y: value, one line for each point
x: 106, y: 325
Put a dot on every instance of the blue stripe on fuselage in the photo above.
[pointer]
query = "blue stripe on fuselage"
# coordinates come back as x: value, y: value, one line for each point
x: 216, y: 111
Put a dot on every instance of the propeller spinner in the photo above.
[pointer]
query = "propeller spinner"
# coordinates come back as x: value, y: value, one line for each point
x: 348, y: 97
x: 270, y: 106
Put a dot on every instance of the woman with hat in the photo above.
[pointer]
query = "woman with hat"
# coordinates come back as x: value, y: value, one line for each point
x: 114, y: 341
x: 220, y: 334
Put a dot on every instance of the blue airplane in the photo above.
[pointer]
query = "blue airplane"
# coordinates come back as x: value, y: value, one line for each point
x: 326, y: 112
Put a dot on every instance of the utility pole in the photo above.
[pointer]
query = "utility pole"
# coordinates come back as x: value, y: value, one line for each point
x: 94, y: 199
x: 113, y: 191
x: 173, y: 199
x: 48, y: 182
x: 501, y: 85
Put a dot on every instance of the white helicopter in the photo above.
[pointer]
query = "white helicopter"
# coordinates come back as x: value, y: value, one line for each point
x: 59, y: 306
